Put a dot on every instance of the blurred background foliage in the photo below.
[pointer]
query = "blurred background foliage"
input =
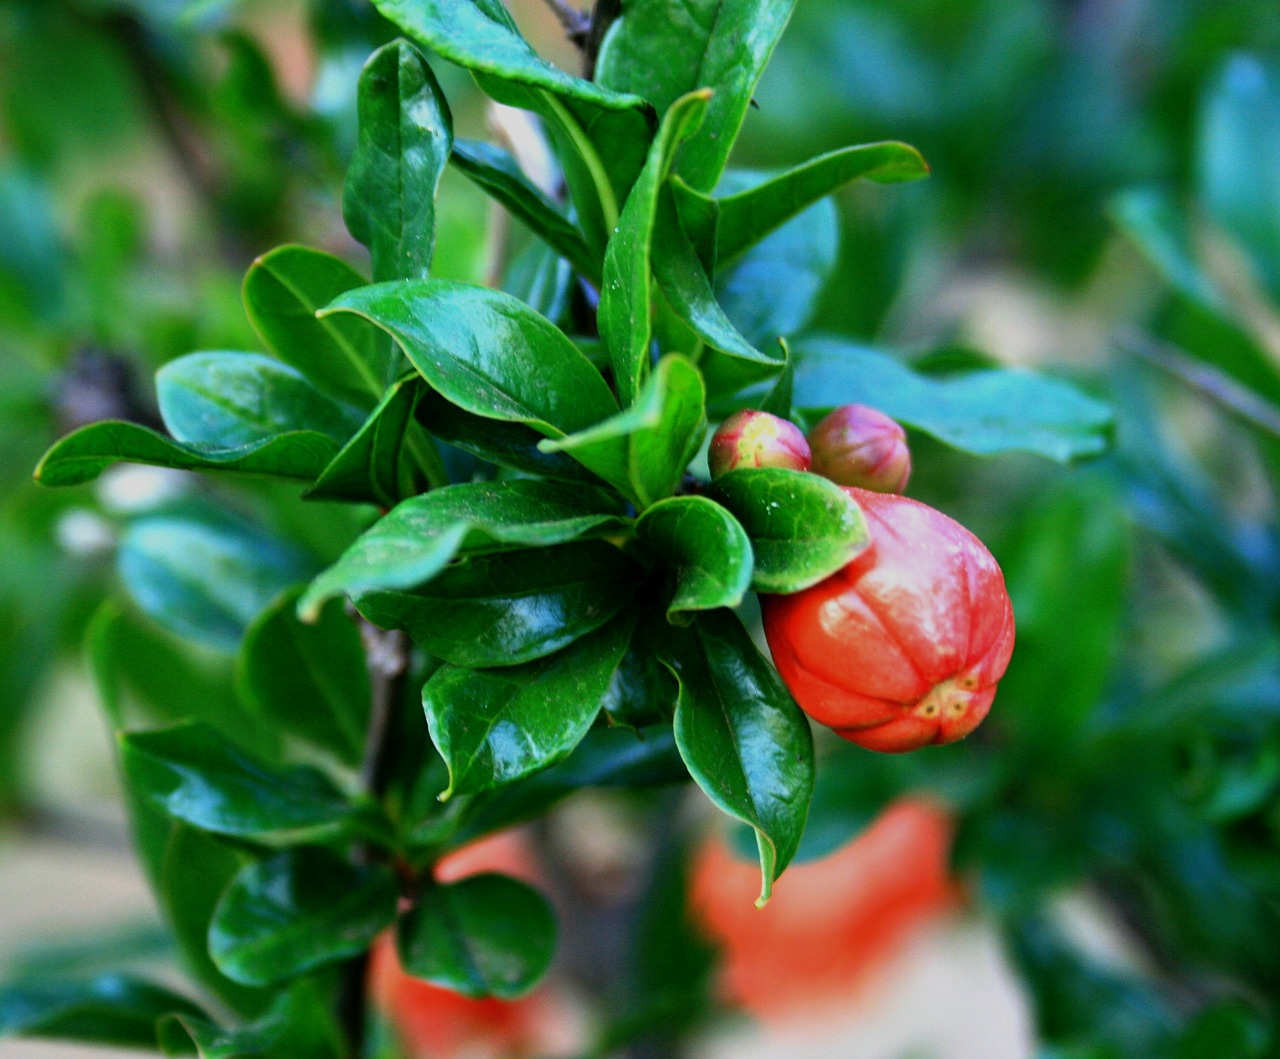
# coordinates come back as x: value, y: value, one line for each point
x: 1105, y: 203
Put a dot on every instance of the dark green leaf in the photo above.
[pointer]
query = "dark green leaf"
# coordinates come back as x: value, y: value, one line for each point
x: 601, y: 135
x: 84, y: 454
x: 108, y: 1010
x: 627, y: 296
x: 802, y: 528
x: 748, y: 216
x: 297, y: 911
x: 982, y: 412
x: 370, y: 466
x: 487, y: 935
x: 512, y: 445
x: 283, y: 290
x: 205, y: 579
x: 498, y: 173
x: 309, y: 681
x: 192, y: 773
x: 477, y: 347
x: 662, y: 49
x: 606, y: 757
x: 406, y: 133
x: 683, y: 279
x: 644, y: 450
x: 412, y: 544
x: 745, y: 742
x: 231, y: 400
x: 301, y: 1023
x: 495, y: 726
x: 511, y: 607
x: 706, y: 547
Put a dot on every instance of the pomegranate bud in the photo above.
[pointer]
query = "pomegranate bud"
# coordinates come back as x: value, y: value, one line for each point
x: 857, y: 445
x: 757, y: 439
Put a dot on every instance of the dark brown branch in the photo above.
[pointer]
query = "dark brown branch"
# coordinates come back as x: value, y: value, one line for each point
x: 387, y: 657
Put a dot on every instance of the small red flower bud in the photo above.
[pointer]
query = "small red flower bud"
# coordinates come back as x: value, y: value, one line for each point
x: 860, y: 446
x: 904, y: 646
x: 757, y: 439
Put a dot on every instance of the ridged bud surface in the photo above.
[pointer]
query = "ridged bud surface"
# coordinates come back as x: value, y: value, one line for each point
x: 857, y: 445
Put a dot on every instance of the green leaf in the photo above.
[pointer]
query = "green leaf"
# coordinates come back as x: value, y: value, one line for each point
x: 487, y: 935
x: 600, y: 135
x: 406, y: 133
x: 512, y: 445
x: 511, y: 607
x: 412, y: 543
x: 300, y: 1023
x: 495, y: 171
x: 478, y: 347
x: 802, y: 528
x: 663, y: 49
x: 230, y: 400
x: 309, y: 681
x: 1239, y: 161
x: 205, y: 579
x: 495, y: 726
x: 606, y: 757
x: 747, y: 745
x: 283, y: 290
x: 370, y: 466
x: 644, y: 450
x: 626, y: 300
x: 748, y: 216
x: 684, y: 281
x: 111, y: 1009
x: 192, y: 773
x: 84, y: 454
x: 296, y: 911
x: 984, y: 413
x: 707, y: 548
x: 772, y: 289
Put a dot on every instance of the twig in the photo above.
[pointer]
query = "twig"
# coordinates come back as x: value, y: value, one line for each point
x: 603, y: 16
x: 387, y: 658
x: 1207, y: 380
x: 576, y: 23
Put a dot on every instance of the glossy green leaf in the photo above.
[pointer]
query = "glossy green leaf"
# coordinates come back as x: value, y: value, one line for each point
x: 802, y: 528
x: 81, y: 456
x: 511, y: 607
x: 205, y: 579
x: 370, y: 467
x: 111, y: 1009
x: 477, y: 347
x: 300, y: 1023
x: 511, y: 445
x: 495, y: 726
x: 405, y: 136
x: 981, y: 412
x: 746, y: 217
x: 486, y: 935
x: 706, y: 548
x: 745, y: 741
x: 309, y: 681
x: 662, y: 49
x: 494, y: 170
x: 192, y: 773
x: 684, y: 282
x: 626, y: 300
x: 230, y: 400
x: 606, y: 757
x: 296, y: 911
x: 1239, y: 161
x: 412, y: 543
x: 643, y: 451
x: 283, y: 290
x: 600, y: 135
